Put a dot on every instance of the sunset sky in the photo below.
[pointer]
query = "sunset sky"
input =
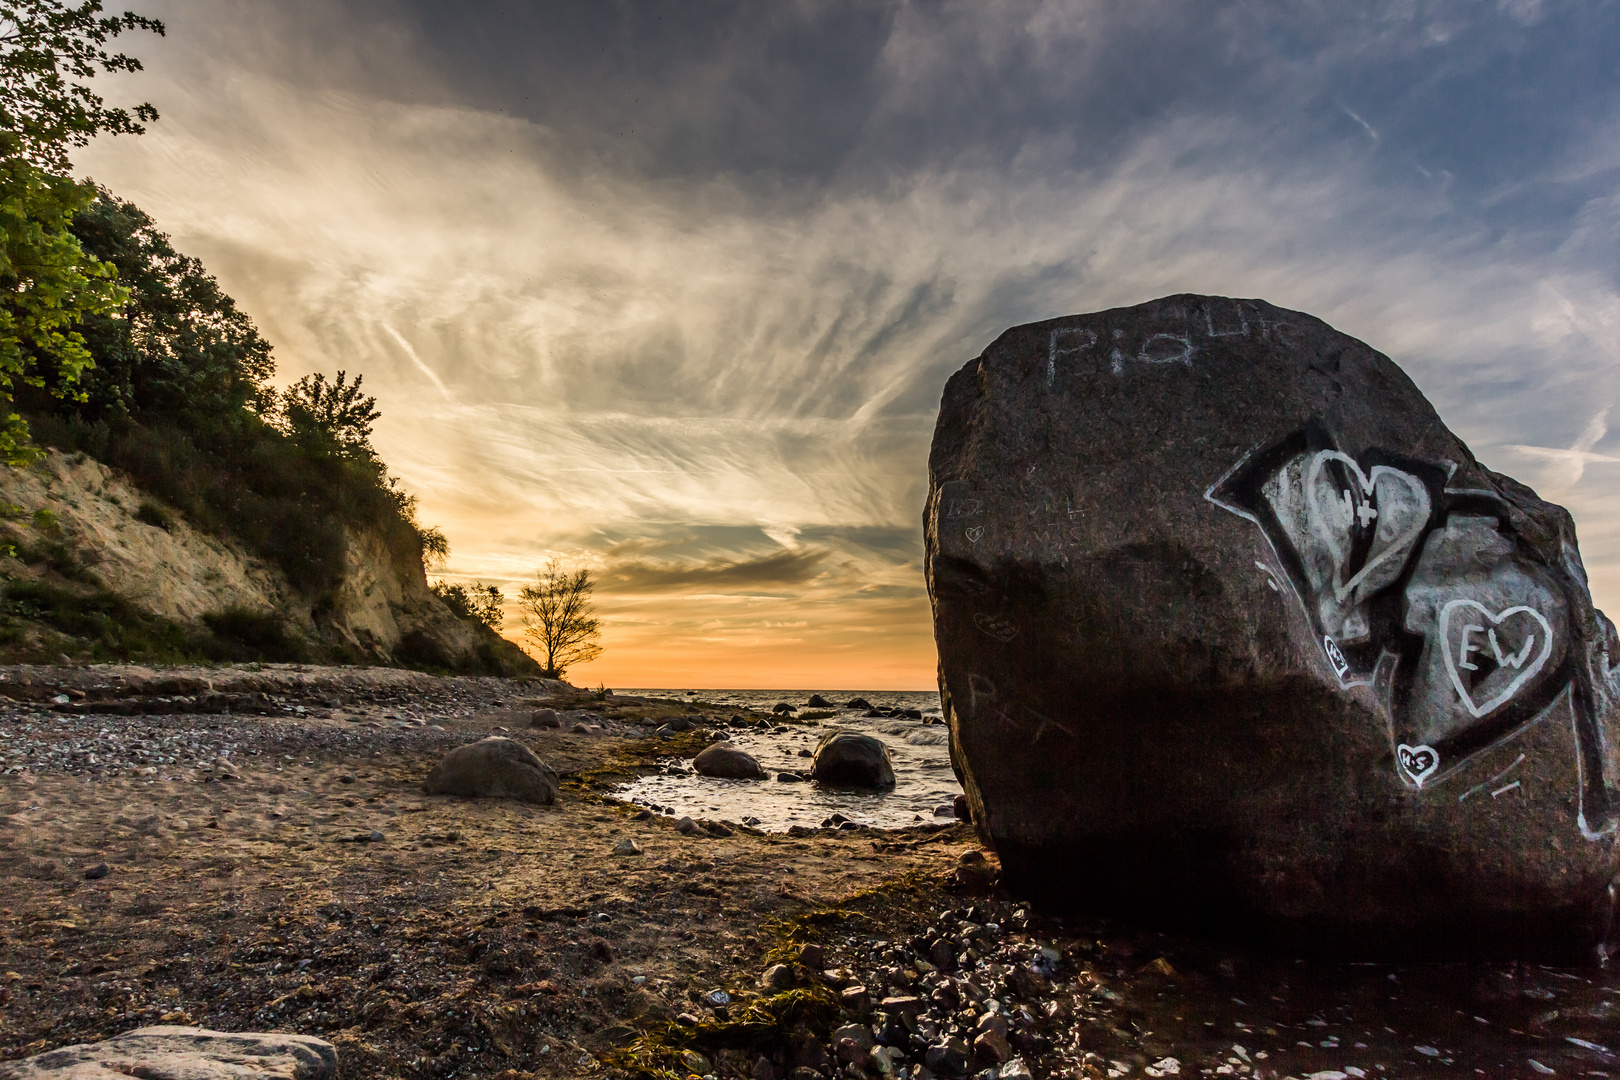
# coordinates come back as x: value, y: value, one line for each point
x: 672, y: 289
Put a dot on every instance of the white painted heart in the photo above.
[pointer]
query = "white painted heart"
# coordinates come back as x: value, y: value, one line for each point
x: 974, y: 533
x: 1454, y: 656
x: 1398, y: 547
x: 1418, y: 762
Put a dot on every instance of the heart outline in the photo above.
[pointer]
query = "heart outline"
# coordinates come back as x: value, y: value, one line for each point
x: 1000, y: 627
x: 1408, y: 756
x: 1369, y: 482
x: 974, y: 533
x: 1524, y: 676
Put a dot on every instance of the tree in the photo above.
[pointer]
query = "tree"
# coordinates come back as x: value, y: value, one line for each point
x: 47, y: 49
x: 476, y: 601
x: 560, y: 617
x: 47, y: 282
x: 178, y: 349
x: 313, y: 408
x: 47, y: 286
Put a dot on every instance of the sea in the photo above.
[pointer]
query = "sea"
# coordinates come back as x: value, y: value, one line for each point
x: 924, y: 783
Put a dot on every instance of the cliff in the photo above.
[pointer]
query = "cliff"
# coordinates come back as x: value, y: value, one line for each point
x: 95, y: 568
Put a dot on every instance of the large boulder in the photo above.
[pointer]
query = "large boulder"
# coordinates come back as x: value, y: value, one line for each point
x: 1234, y: 633
x: 183, y: 1053
x: 849, y: 759
x: 495, y: 768
x: 727, y: 762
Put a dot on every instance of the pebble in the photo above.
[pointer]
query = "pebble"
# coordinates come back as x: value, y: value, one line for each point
x: 627, y: 847
x: 96, y: 872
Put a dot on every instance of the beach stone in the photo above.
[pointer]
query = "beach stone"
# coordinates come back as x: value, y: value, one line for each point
x: 848, y: 759
x: 857, y: 703
x: 545, y: 718
x: 686, y: 826
x: 726, y: 761
x: 776, y: 977
x: 627, y: 847
x: 96, y: 872
x: 818, y: 702
x: 183, y: 1053
x: 496, y: 767
x: 1226, y: 614
x: 782, y: 708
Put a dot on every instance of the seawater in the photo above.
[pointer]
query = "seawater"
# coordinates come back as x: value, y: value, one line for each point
x: 920, y: 751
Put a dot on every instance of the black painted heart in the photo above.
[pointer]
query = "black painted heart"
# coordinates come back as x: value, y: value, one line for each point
x: 1418, y: 762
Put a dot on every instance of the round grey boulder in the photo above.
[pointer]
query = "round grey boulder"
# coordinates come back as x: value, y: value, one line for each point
x: 727, y: 762
x: 494, y: 768
x: 847, y: 759
x: 193, y: 1053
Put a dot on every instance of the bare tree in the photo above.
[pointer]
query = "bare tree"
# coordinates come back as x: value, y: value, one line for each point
x: 561, y: 617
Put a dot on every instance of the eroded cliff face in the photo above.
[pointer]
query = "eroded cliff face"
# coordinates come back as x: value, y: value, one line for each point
x: 94, y: 534
x: 170, y: 570
x: 383, y: 607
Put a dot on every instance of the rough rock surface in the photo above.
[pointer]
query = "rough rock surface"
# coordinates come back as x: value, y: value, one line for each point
x: 496, y: 768
x: 848, y: 759
x: 726, y: 761
x: 183, y: 1053
x: 1234, y: 631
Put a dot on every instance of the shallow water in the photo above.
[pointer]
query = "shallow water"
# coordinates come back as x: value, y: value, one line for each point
x: 922, y: 767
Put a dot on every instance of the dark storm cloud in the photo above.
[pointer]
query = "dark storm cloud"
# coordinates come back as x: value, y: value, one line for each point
x: 781, y: 568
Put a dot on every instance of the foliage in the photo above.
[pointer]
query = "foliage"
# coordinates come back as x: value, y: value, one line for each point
x: 180, y: 400
x: 177, y: 349
x: 476, y: 601
x: 47, y: 286
x: 560, y: 617
x: 286, y: 502
x: 313, y: 409
x: 155, y: 515
x: 114, y: 628
x: 47, y: 49
x: 246, y: 634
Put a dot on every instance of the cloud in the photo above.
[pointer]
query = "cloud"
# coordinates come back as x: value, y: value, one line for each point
x: 781, y: 568
x: 696, y: 285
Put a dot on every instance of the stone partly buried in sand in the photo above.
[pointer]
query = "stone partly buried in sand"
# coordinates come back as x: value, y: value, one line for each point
x: 1233, y: 630
x: 848, y: 759
x: 183, y: 1052
x: 727, y: 762
x: 494, y: 768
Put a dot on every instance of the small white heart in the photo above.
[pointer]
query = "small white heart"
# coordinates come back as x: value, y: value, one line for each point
x: 974, y: 533
x: 1418, y: 762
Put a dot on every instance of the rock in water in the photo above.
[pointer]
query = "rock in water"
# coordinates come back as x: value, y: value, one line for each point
x: 1234, y: 632
x: 494, y: 768
x: 192, y: 1053
x: 726, y: 761
x: 847, y: 759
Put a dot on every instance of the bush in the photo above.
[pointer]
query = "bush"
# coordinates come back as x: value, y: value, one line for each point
x: 151, y: 513
x: 245, y: 634
x: 110, y: 624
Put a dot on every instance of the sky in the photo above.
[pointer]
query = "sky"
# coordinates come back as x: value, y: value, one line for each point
x: 671, y: 289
